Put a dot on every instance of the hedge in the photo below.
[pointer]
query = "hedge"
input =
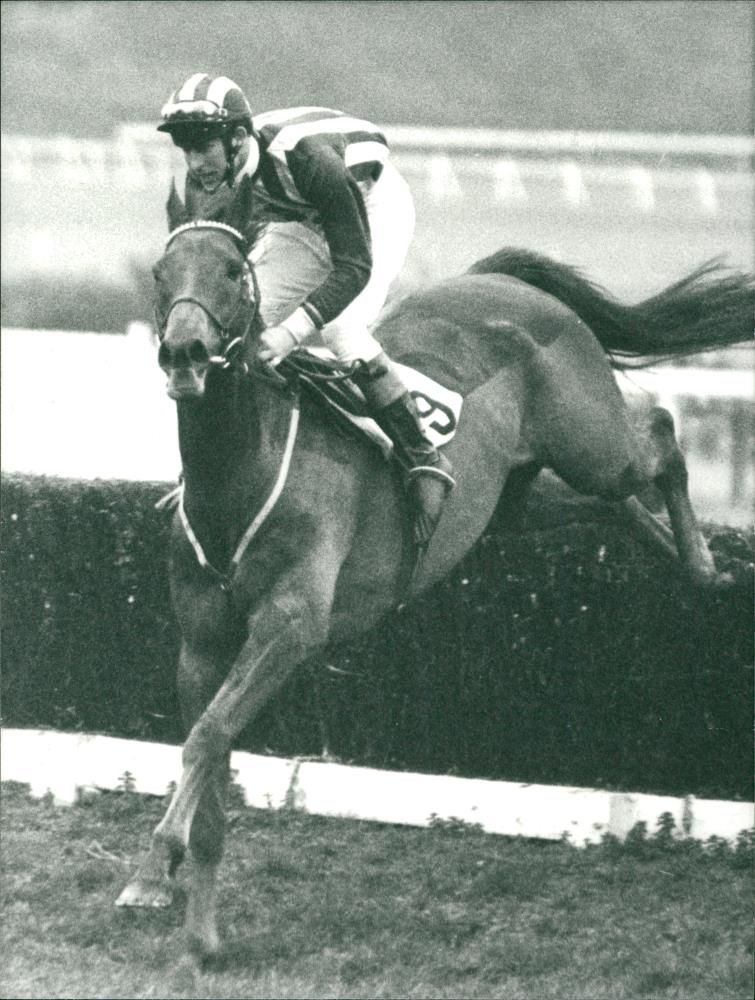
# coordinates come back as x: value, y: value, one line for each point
x: 561, y: 652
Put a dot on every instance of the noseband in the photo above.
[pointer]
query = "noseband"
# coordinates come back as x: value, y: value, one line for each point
x: 249, y: 293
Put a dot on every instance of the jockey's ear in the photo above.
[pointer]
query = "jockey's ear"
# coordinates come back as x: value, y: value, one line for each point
x: 177, y: 212
x: 240, y: 134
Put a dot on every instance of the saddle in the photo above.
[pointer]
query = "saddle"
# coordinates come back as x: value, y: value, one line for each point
x: 330, y: 384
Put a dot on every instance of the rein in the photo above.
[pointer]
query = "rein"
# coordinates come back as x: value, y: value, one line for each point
x: 229, y: 356
x: 301, y: 364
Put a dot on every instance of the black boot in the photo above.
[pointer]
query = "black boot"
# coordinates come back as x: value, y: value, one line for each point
x: 429, y: 473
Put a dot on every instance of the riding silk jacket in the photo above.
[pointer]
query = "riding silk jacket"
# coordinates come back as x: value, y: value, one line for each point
x: 315, y: 166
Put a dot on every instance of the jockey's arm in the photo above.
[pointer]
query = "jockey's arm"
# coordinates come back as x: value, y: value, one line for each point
x: 327, y: 184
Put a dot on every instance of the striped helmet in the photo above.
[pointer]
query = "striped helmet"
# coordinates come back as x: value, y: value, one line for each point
x: 205, y: 100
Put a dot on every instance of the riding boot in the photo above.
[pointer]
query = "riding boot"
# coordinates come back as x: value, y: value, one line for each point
x: 429, y: 476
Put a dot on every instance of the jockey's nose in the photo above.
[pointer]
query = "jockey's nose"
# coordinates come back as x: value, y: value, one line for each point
x: 194, y: 159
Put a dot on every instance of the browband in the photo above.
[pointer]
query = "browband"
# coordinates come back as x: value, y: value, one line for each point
x: 206, y: 224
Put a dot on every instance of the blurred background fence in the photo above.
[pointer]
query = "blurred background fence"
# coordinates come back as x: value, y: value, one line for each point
x: 633, y: 209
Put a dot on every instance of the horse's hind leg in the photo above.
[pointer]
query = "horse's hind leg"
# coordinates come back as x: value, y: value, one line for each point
x: 669, y: 473
x: 650, y: 528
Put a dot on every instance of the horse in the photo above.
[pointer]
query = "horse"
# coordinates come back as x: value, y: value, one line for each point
x: 291, y: 535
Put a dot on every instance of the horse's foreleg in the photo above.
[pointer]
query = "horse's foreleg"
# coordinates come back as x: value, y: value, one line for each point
x: 263, y: 665
x: 199, y: 677
x: 206, y: 841
x: 283, y: 631
x: 195, y: 816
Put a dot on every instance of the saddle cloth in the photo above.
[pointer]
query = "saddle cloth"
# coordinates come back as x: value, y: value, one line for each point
x: 318, y: 369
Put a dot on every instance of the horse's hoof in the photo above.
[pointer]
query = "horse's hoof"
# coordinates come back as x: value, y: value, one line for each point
x: 718, y: 581
x: 203, y: 947
x: 714, y: 581
x: 183, y: 978
x: 143, y: 894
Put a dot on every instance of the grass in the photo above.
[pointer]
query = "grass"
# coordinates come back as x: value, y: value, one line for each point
x: 325, y: 908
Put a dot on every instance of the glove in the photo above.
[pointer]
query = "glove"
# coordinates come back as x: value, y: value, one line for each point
x: 274, y: 344
x: 278, y: 341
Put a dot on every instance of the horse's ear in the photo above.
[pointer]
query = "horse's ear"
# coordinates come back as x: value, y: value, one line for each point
x: 177, y: 211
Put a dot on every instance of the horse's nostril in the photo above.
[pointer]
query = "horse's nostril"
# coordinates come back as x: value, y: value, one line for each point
x: 190, y: 355
x: 198, y: 353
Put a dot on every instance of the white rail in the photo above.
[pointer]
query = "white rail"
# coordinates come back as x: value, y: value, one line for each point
x: 69, y: 766
x: 139, y: 145
x: 549, y: 142
x: 571, y: 143
x: 706, y: 175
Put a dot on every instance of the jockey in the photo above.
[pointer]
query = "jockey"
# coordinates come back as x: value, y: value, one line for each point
x: 339, y: 219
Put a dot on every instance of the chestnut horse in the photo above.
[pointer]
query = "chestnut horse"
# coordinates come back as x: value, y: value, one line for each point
x: 291, y: 535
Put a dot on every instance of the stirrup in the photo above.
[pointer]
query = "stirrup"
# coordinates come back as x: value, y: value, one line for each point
x: 431, y: 470
x: 428, y: 506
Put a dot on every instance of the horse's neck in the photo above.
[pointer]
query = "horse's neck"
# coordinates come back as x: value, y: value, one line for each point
x: 231, y: 442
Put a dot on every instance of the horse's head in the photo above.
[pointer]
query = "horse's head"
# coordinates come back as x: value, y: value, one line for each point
x: 205, y: 294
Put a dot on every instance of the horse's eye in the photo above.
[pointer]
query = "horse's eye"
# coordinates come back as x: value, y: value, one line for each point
x: 156, y: 272
x: 234, y: 271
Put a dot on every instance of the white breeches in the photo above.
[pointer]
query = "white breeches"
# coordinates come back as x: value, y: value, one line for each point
x: 292, y: 259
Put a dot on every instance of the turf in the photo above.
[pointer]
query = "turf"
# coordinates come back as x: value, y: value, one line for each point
x: 323, y: 908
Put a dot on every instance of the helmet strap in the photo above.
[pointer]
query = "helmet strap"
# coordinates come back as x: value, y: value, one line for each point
x: 230, y: 154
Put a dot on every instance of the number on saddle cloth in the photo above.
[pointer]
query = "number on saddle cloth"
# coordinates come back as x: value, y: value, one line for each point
x: 329, y: 382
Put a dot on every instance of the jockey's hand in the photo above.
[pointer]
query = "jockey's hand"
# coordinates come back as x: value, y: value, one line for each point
x: 274, y: 344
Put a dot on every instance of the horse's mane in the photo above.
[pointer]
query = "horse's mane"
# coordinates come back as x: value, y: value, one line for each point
x: 214, y: 206
x: 237, y: 207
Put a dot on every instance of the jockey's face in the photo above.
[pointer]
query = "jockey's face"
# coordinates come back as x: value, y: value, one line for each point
x: 206, y: 162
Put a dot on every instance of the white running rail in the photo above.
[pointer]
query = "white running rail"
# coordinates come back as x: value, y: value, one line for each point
x: 72, y: 766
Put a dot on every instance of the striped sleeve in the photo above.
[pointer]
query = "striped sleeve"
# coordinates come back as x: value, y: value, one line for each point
x: 321, y: 161
x: 333, y: 191
x: 361, y: 146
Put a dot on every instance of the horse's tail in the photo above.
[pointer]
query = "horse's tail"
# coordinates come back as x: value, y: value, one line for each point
x: 712, y: 307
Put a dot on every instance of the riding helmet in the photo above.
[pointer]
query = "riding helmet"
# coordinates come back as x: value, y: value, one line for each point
x: 205, y: 101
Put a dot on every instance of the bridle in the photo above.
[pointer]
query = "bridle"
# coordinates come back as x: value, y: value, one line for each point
x: 231, y: 345
x: 249, y: 293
